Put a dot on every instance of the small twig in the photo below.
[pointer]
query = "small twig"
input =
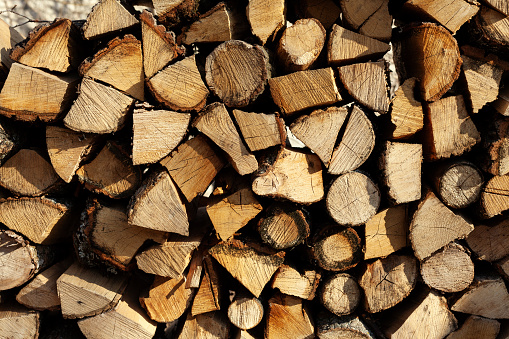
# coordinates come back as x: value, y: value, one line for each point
x: 23, y: 16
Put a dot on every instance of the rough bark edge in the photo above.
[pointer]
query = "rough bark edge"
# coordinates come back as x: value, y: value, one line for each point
x: 85, y: 24
x: 168, y: 36
x: 174, y: 107
x: 186, y: 11
x: 353, y: 239
x: 248, y: 247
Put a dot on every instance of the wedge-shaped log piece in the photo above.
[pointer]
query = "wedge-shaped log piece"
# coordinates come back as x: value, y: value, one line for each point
x: 356, y: 144
x: 175, y: 12
x: 492, y: 26
x: 294, y: 176
x: 319, y: 130
x: 84, y: 292
x: 29, y: 94
x: 486, y: 297
x: 495, y: 196
x: 346, y: 46
x: 431, y: 54
x: 288, y: 317
x: 336, y: 248
x: 386, y: 232
x: 42, y: 220
x: 448, y: 130
x: 216, y: 25
x: 252, y: 267
x: 180, y: 86
x: 353, y: 199
x: 245, y: 312
x: 400, y: 164
x: 325, y: 11
x: 55, y: 46
x: 98, y: 109
x: 483, y: 80
x: 370, y: 18
x: 236, y: 59
x: 120, y: 65
x: 340, y: 294
x: 503, y: 267
x: 17, y: 321
x: 205, y: 326
x: 157, y: 205
x: 193, y: 165
x: 208, y: 296
x: 156, y: 133
x: 159, y: 46
x: 260, y: 131
x: 10, y: 37
x: 266, y: 18
x: 290, y: 281
x: 407, y: 113
x: 477, y: 327
x: 490, y: 242
x: 110, y: 173
x: 216, y: 123
x: 349, y: 326
x: 434, y: 226
x: 107, y: 17
x: 496, y: 145
x: 168, y: 299
x: 500, y: 5
x: 28, y: 173
x: 304, y: 89
x: 67, y: 149
x: 367, y: 84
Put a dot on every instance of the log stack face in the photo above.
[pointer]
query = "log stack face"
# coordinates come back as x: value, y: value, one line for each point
x: 256, y: 169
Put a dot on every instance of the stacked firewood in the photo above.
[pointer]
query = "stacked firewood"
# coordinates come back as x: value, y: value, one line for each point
x: 257, y: 168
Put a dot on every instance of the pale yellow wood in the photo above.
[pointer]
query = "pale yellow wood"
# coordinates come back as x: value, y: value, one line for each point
x: 477, y: 327
x: 489, y: 242
x: 17, y: 322
x: 483, y: 80
x: 208, y: 296
x: 260, y: 130
x: 495, y: 196
x: 340, y: 294
x: 107, y: 16
x: 371, y: 18
x: 212, y: 325
x: 345, y: 327
x: 500, y: 5
x: 407, y: 113
x: 245, y: 313
x: 266, y: 18
x: 9, y: 37
x: 336, y: 248
x: 288, y: 317
x: 214, y: 26
x: 290, y: 281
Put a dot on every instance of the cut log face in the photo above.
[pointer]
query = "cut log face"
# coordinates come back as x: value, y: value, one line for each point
x: 493, y: 26
x: 106, y: 17
x: 217, y: 25
x: 353, y: 199
x: 236, y: 59
x: 495, y: 196
x: 483, y: 80
x: 434, y: 226
x: 30, y: 94
x: 325, y: 11
x: 346, y: 46
x: 19, y: 322
x: 98, y: 109
x: 193, y: 166
x: 245, y: 313
x: 28, y: 173
x: 208, y: 297
x: 500, y: 5
x: 337, y: 249
x: 449, y: 129
x: 490, y: 242
x: 110, y: 173
x: 294, y: 176
x: 407, y: 113
x: 386, y: 232
x: 367, y: 84
x: 289, y: 281
x: 266, y: 18
x: 304, y: 89
x: 477, y: 327
x: 260, y: 131
x: 207, y: 325
x: 330, y: 326
x: 386, y: 282
x: 319, y: 130
x: 180, y: 86
x: 85, y: 292
x: 9, y: 38
x: 340, y: 294
x: 370, y: 18
x: 251, y: 267
x: 288, y: 317
x: 157, y: 205
x: 156, y: 133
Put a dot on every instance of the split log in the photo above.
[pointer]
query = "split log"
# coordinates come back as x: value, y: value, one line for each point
x: 266, y: 18
x: 500, y: 5
x: 9, y: 137
x: 356, y: 144
x: 501, y: 104
x: 495, y: 196
x: 353, y: 199
x: 294, y: 176
x: 489, y: 27
x: 206, y: 326
x: 98, y: 109
x: 301, y: 44
x: 291, y: 282
x: 175, y: 12
x: 193, y: 165
x: 503, y: 267
x: 336, y: 248
x: 28, y: 173
x: 196, y: 268
x: 366, y: 83
x: 476, y: 327
x: 10, y: 37
x: 386, y: 282
x: 370, y: 18
x: 407, y: 113
x: 180, y: 86
x: 208, y: 296
x: 236, y: 59
x: 400, y: 164
x: 156, y: 205
x: 319, y: 130
x: 156, y: 133
x: 288, y: 317
x: 386, y: 232
x: 304, y: 89
x: 245, y: 313
x: 330, y: 326
x: 18, y: 322
x: 490, y: 242
x: 340, y: 294
x: 107, y: 17
x: 243, y: 334
x: 29, y: 94
x: 448, y: 270
x: 110, y: 173
x: 56, y: 46
x: 252, y: 267
x: 448, y: 130
x: 260, y: 131
x: 434, y: 226
x: 85, y: 292
x: 325, y: 11
x: 496, y: 145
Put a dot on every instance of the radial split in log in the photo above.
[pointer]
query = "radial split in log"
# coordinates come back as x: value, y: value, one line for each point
x: 477, y: 327
x: 495, y: 196
x: 107, y: 17
x: 369, y: 17
x: 337, y: 249
x: 490, y: 242
x: 340, y: 294
x: 260, y: 131
x: 245, y: 313
x: 288, y: 317
x: 290, y: 281
x: 407, y: 113
x: 266, y: 18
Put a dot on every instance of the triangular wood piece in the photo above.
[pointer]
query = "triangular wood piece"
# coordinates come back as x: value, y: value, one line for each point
x: 106, y: 17
x: 17, y: 321
x: 207, y: 325
x: 297, y: 318
x: 98, y: 109
x: 175, y: 12
x: 483, y: 80
x: 157, y: 205
x: 489, y: 242
x: 346, y: 46
x: 9, y: 37
x: 207, y: 298
x: 406, y: 113
x: 266, y: 18
x: 290, y: 281
x: 500, y: 5
x: 159, y: 47
x: 260, y: 131
x: 156, y: 133
x: 120, y: 65
x: 30, y: 94
x: 370, y: 18
x: 56, y: 46
x: 216, y: 25
x: 253, y: 268
x: 495, y: 196
x: 477, y: 327
x: 319, y: 130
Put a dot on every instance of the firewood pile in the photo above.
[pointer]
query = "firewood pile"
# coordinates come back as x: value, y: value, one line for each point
x: 257, y: 169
